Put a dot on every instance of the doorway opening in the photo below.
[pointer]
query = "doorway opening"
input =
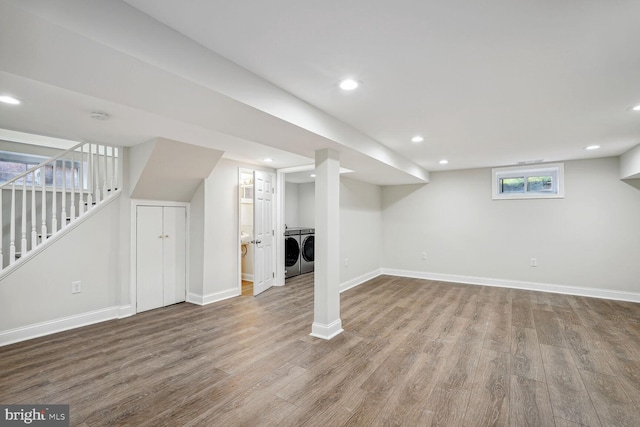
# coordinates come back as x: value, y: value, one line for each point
x: 246, y: 232
x: 257, y: 247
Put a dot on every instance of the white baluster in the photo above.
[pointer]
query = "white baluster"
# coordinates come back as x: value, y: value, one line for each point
x: 43, y: 208
x: 34, y: 233
x: 90, y: 178
x: 96, y: 166
x: 73, y: 186
x: 113, y: 169
x: 105, y: 173
x: 12, y: 227
x: 63, y: 212
x: 116, y: 164
x: 81, y: 183
x: 54, y: 203
x: 23, y: 234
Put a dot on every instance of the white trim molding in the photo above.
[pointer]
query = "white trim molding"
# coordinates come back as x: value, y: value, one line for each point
x: 247, y: 277
x: 326, y: 332
x: 514, y: 284
x: 58, y: 325
x: 211, y: 298
x: 359, y: 280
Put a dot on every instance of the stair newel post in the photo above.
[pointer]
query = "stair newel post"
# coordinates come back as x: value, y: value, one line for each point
x: 90, y: 178
x: 43, y: 208
x: 12, y: 226
x: 63, y: 212
x: 34, y: 233
x: 23, y: 234
x: 105, y: 173
x: 54, y: 202
x: 73, y: 186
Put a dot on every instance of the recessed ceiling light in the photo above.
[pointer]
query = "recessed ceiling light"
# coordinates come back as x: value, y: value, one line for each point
x: 349, y: 84
x: 268, y: 160
x: 417, y: 138
x: 9, y: 100
x: 443, y: 161
x: 313, y: 175
x: 636, y: 108
x: 592, y: 147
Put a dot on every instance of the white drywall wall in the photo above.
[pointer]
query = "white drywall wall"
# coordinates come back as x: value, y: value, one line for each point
x: 589, y: 239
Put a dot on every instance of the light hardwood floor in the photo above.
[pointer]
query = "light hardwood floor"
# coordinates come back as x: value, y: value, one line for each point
x: 414, y: 352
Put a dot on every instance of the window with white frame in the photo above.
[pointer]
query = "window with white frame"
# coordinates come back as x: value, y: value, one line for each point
x: 544, y: 181
x: 13, y: 164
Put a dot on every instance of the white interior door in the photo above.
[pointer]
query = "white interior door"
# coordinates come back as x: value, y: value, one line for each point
x: 160, y: 256
x: 173, y: 255
x: 263, y: 230
x: 148, y: 257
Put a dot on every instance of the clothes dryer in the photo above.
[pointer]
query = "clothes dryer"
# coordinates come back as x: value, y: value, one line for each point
x: 291, y: 253
x: 307, y: 246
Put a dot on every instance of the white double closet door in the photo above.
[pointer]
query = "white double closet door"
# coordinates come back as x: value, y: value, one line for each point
x: 160, y: 256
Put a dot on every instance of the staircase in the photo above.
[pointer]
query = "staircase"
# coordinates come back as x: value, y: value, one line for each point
x: 49, y: 198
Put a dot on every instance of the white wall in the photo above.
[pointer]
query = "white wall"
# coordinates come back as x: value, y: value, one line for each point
x: 221, y: 225
x: 630, y: 164
x: 40, y: 290
x: 589, y: 239
x: 196, y: 243
x: 360, y: 229
x: 306, y: 205
x: 291, y: 204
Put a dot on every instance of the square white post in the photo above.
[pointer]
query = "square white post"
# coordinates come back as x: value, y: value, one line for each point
x: 326, y: 301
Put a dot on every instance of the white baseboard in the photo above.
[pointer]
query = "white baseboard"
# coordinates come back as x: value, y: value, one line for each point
x: 531, y: 286
x: 360, y: 280
x: 211, y: 298
x: 58, y: 325
x: 126, y: 311
x: 326, y: 332
x: 247, y: 277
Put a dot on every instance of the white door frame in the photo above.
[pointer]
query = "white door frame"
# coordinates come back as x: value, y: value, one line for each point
x: 274, y: 215
x: 133, y: 295
x: 280, y: 209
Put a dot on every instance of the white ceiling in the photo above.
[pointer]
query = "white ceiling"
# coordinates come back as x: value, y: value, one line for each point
x: 486, y: 83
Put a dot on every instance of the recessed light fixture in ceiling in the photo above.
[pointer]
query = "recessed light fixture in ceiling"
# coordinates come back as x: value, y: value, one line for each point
x: 313, y: 175
x: 7, y: 99
x: 592, y: 147
x: 417, y: 139
x: 443, y: 161
x: 99, y: 115
x: 349, y: 84
x: 636, y: 108
x: 268, y: 159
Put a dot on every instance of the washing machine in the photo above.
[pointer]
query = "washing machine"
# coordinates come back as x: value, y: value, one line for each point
x: 307, y: 245
x: 291, y: 253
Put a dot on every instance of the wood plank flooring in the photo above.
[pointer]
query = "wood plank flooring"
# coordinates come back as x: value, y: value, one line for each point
x: 414, y: 352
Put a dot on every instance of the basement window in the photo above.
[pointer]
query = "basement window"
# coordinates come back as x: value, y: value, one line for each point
x: 13, y: 164
x: 528, y: 182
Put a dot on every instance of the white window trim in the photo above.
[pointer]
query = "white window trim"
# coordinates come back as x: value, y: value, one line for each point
x: 556, y: 169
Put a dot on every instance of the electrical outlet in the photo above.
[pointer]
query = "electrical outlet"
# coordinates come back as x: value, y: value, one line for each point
x: 534, y: 262
x: 76, y: 287
x: 424, y: 255
x: 346, y: 262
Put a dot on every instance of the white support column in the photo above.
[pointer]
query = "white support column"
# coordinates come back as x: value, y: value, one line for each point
x: 326, y: 300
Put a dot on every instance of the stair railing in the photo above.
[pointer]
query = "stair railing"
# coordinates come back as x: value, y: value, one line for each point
x: 70, y: 184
